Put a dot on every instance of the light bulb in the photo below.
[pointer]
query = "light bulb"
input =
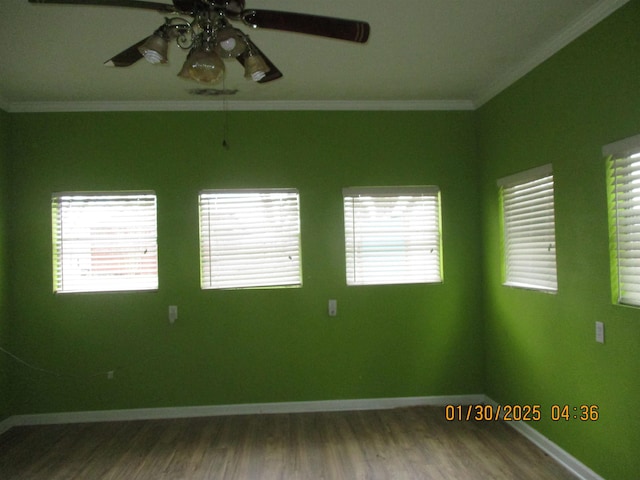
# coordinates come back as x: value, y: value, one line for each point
x: 153, y: 57
x: 228, y: 44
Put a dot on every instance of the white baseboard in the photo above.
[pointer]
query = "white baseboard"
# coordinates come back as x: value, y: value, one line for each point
x: 6, y: 424
x: 238, y: 409
x: 571, y: 463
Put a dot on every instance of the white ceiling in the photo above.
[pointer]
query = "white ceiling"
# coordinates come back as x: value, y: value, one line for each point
x: 422, y: 54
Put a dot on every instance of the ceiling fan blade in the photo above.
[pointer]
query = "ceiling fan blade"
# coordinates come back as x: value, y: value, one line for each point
x: 272, y: 74
x: 160, y: 7
x: 350, y: 30
x: 126, y: 57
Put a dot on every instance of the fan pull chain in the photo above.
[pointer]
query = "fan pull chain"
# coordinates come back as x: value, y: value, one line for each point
x: 225, y: 110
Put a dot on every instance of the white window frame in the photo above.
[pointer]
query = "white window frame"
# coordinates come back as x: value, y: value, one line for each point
x: 392, y: 235
x: 623, y: 189
x: 104, y: 241
x: 250, y: 238
x: 528, y: 226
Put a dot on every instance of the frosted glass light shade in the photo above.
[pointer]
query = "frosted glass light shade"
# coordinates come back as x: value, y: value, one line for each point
x: 229, y: 43
x: 255, y: 67
x: 204, y: 66
x: 154, y: 49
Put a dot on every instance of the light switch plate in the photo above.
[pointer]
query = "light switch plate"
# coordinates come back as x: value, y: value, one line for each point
x: 173, y: 313
x: 599, y: 332
x: 333, y: 308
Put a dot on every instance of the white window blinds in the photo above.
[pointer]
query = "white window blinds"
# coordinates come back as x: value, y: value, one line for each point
x: 392, y: 235
x: 104, y: 242
x: 250, y: 238
x: 624, y: 218
x: 529, y: 229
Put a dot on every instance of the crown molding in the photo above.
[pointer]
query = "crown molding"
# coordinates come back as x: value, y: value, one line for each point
x: 589, y: 19
x: 315, y: 105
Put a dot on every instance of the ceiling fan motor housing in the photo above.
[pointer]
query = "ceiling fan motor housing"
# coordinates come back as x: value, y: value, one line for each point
x: 231, y: 7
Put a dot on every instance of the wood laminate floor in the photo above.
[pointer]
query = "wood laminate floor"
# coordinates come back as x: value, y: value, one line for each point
x: 405, y: 443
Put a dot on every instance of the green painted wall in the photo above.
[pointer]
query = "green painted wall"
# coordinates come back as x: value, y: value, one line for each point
x: 5, y: 409
x: 541, y: 348
x: 518, y: 346
x: 242, y: 346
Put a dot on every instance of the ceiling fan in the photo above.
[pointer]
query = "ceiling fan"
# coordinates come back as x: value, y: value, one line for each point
x: 209, y: 36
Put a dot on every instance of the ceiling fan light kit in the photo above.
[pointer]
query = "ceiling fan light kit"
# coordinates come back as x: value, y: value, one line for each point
x: 210, y: 38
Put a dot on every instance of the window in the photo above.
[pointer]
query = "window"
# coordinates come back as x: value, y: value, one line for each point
x: 623, y: 170
x: 250, y: 238
x: 104, y: 242
x: 392, y: 235
x: 529, y: 229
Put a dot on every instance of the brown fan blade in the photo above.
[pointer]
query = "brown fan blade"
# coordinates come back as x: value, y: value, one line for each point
x: 350, y: 30
x: 126, y: 57
x: 160, y: 7
x: 272, y: 74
